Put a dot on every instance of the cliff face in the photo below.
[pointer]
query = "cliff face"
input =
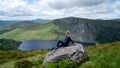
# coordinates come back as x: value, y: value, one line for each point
x: 84, y: 32
x: 95, y: 31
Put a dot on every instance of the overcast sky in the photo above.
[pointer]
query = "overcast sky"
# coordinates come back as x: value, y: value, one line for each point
x: 52, y: 9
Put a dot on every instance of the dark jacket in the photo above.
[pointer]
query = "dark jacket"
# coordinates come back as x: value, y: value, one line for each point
x: 67, y: 40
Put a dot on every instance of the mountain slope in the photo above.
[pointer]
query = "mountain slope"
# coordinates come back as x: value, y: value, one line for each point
x: 36, y: 31
x: 85, y: 30
x: 11, y: 26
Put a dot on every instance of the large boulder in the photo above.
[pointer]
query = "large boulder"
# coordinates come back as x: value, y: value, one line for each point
x: 75, y: 53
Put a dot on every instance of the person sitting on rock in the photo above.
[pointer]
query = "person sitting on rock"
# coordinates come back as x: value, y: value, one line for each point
x: 66, y: 40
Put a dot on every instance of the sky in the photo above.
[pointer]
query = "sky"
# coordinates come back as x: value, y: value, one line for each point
x: 53, y: 9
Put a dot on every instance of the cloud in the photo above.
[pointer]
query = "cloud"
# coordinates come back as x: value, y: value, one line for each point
x: 60, y: 4
x: 52, y: 9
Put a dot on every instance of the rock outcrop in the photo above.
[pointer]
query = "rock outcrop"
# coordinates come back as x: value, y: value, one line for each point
x: 75, y: 53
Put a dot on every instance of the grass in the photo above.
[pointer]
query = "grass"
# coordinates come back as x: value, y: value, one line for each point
x: 7, y: 56
x: 103, y: 56
x: 37, y: 32
x: 100, y: 56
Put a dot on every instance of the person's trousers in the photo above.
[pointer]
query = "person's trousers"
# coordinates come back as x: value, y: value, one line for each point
x: 60, y: 44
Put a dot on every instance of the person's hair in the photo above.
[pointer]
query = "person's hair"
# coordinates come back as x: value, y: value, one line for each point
x: 67, y: 33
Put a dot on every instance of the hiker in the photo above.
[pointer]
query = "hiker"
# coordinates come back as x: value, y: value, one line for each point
x: 66, y: 40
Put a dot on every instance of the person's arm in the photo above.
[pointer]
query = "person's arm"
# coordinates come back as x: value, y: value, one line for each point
x: 71, y: 40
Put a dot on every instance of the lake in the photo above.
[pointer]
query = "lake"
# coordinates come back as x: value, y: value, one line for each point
x: 27, y: 45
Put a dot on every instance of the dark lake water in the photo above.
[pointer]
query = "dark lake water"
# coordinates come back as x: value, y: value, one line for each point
x: 36, y: 44
x: 41, y: 44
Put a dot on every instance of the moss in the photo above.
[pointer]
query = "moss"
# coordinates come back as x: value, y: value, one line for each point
x: 23, y: 64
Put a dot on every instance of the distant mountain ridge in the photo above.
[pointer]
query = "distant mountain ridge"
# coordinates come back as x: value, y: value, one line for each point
x: 85, y: 30
x: 4, y: 22
x: 39, y: 20
x: 116, y: 19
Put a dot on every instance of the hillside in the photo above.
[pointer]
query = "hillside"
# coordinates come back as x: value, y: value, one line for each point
x: 9, y: 44
x: 12, y: 26
x: 100, y: 56
x: 85, y: 30
x: 4, y: 22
